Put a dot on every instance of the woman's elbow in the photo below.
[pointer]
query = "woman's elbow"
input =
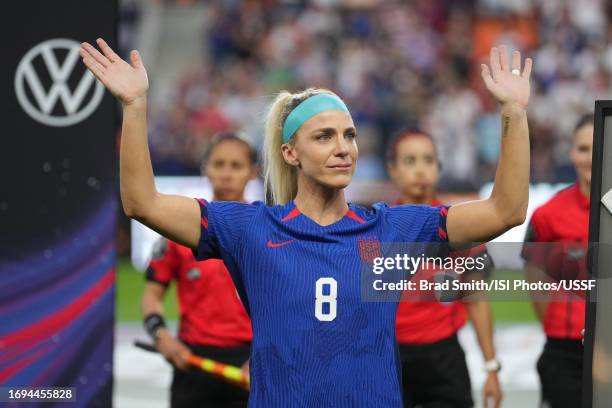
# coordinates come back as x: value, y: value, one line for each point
x: 132, y: 210
x: 516, y: 218
x: 136, y: 206
x: 511, y: 214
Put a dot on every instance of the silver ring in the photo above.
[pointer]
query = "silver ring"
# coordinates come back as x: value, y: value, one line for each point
x: 516, y: 72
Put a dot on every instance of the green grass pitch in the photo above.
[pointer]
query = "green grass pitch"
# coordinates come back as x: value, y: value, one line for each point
x: 131, y: 282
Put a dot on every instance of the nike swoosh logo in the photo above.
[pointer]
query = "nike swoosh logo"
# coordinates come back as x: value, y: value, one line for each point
x: 280, y: 244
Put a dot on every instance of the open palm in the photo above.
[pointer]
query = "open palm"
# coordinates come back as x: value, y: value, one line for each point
x: 504, y: 85
x: 128, y: 83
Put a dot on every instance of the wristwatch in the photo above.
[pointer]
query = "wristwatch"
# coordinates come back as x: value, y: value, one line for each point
x: 492, y: 366
x: 153, y: 324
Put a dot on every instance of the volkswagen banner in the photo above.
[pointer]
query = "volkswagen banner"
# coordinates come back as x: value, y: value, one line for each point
x: 58, y: 206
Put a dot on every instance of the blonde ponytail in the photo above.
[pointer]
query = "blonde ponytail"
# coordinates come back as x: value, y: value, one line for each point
x: 280, y: 178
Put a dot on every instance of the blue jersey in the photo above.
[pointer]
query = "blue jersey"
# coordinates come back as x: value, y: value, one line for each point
x: 315, y: 342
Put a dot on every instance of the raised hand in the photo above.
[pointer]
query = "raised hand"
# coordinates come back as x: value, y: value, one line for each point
x: 507, y: 83
x: 128, y: 82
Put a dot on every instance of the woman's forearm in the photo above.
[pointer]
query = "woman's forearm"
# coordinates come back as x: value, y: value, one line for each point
x: 136, y: 173
x: 152, y: 301
x: 510, y: 194
x: 480, y: 316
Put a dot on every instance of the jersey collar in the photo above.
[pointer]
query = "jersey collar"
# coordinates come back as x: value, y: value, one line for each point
x: 583, y: 201
x: 294, y: 212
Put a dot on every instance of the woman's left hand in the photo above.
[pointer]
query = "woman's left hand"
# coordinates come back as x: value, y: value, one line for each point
x: 492, y: 393
x: 506, y: 81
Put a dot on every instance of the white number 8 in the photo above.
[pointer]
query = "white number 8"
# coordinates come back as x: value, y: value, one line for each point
x: 330, y: 299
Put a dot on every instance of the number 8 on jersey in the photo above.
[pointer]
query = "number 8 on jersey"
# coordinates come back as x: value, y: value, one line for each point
x: 329, y: 299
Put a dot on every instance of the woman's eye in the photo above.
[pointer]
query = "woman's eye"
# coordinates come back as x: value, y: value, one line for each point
x: 409, y: 160
x: 324, y: 136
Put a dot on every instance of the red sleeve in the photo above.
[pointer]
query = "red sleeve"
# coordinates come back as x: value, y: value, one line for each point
x: 538, y: 234
x: 164, y: 263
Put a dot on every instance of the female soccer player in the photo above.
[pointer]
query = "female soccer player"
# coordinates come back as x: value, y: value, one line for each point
x: 427, y: 330
x: 213, y: 322
x: 297, y: 264
x: 564, y: 220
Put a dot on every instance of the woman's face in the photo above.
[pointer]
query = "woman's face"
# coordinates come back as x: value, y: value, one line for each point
x: 581, y: 154
x: 415, y: 169
x: 229, y: 169
x: 325, y: 149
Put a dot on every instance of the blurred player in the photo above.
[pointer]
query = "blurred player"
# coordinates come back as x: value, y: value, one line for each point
x: 564, y: 220
x: 427, y: 331
x: 296, y: 264
x: 213, y: 322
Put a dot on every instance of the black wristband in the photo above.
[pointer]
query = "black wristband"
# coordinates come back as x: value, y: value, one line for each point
x: 152, y: 324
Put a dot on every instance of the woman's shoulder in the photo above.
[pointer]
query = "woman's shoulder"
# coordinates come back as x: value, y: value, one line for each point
x: 235, y: 205
x: 230, y: 209
x: 404, y: 208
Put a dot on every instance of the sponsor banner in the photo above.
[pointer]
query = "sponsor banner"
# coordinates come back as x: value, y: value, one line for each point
x: 58, y: 203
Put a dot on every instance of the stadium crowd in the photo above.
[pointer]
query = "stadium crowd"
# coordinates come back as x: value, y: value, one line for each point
x: 397, y: 64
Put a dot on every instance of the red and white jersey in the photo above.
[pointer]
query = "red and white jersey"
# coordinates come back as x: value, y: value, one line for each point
x: 211, y: 313
x: 428, y: 322
x: 564, y: 219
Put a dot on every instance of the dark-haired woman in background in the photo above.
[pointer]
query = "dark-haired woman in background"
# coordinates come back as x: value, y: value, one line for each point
x: 434, y: 371
x: 213, y: 322
x: 555, y: 249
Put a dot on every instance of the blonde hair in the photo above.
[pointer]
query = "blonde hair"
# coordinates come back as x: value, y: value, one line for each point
x: 280, y: 178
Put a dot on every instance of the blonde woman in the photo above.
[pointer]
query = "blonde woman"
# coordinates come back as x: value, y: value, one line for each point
x: 296, y: 264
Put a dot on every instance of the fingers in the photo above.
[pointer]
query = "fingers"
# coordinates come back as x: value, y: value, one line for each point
x: 516, y: 60
x: 486, y: 76
x: 108, y: 52
x: 527, y: 69
x: 181, y: 364
x: 495, y: 63
x: 95, y: 54
x: 500, y: 62
x: 93, y: 65
x: 503, y: 57
x: 136, y: 59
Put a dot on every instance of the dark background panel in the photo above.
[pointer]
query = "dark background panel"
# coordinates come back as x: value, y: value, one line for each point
x: 50, y: 177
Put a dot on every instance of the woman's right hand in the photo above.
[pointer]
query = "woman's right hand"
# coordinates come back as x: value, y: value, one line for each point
x: 128, y: 82
x: 175, y: 352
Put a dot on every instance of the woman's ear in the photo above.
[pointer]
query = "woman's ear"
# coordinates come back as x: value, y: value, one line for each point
x: 290, y: 154
x: 391, y: 171
x: 254, y: 172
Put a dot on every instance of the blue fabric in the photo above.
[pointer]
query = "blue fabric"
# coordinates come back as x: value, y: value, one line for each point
x: 307, y: 109
x: 279, y: 259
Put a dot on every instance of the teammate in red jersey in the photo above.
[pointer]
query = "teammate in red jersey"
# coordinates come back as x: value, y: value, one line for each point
x: 563, y: 220
x: 213, y: 321
x: 433, y: 363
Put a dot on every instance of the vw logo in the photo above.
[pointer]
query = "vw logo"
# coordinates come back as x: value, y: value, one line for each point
x: 40, y: 105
